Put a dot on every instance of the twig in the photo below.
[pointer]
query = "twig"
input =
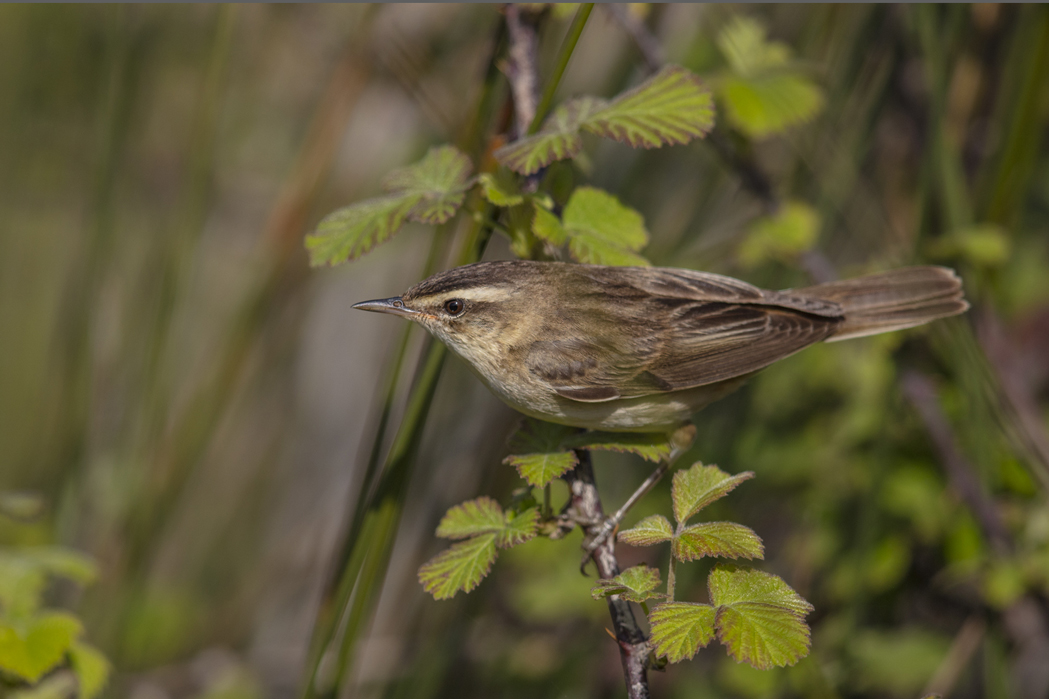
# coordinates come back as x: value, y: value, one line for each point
x: 921, y: 392
x: 585, y: 509
x: 520, y: 67
x: 645, y: 41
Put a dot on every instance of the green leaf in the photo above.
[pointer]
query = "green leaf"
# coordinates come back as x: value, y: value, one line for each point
x: 770, y: 104
x: 558, y: 139
x: 439, y: 180
x: 984, y: 245
x: 790, y: 231
x: 353, y: 231
x: 499, y: 190
x: 602, y: 231
x: 473, y: 517
x: 651, y: 446
x: 21, y: 585
x: 547, y: 226
x: 671, y: 107
x: 519, y: 528
x: 538, y: 454
x: 91, y: 668
x: 680, y: 629
x: 634, y: 584
x: 31, y: 649
x: 759, y: 617
x: 460, y: 567
x: 701, y: 485
x: 717, y: 539
x: 654, y: 529
x: 742, y: 41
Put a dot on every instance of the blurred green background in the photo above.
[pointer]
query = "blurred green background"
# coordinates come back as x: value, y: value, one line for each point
x: 190, y: 406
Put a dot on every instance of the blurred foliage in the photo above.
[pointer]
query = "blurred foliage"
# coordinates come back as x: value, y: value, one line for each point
x: 186, y: 403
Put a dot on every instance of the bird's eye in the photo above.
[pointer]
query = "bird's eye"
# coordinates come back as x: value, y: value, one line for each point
x: 454, y: 307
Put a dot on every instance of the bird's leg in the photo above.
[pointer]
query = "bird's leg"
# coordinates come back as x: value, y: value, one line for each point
x: 680, y: 441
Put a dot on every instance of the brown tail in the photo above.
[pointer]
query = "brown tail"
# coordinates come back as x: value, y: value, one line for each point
x: 892, y: 300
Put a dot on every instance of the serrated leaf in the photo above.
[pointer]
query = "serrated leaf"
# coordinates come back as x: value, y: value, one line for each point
x: 537, y: 452
x: 742, y: 42
x: 654, y: 529
x: 354, y: 230
x: 558, y: 139
x: 91, y: 669
x: 602, y: 231
x: 519, y: 528
x: 634, y: 584
x: 680, y: 629
x: 785, y: 234
x: 770, y: 104
x: 700, y: 485
x: 498, y: 190
x: 546, y: 226
x: 651, y: 446
x: 717, y: 539
x: 29, y: 650
x: 760, y: 619
x: 439, y: 180
x: 671, y: 107
x: 461, y: 567
x: 473, y: 517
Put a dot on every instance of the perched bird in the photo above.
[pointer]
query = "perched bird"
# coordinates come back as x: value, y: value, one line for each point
x: 642, y: 348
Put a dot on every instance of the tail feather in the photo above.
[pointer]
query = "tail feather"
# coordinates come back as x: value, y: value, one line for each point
x: 892, y: 300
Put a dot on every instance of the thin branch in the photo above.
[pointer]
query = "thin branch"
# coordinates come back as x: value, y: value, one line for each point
x: 520, y: 66
x: 646, y: 42
x: 585, y: 509
x: 563, y: 56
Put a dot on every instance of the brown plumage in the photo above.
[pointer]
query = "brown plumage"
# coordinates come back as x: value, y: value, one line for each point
x: 641, y: 348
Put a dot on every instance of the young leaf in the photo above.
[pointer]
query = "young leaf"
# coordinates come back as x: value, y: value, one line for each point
x: 671, y: 107
x: 651, y: 446
x: 499, y: 191
x: 717, y: 539
x: 558, y: 139
x: 439, y: 180
x: 699, y: 486
x: 652, y: 530
x: 350, y: 232
x: 91, y: 669
x: 680, y: 629
x: 634, y: 584
x: 518, y: 528
x: 537, y: 452
x: 460, y: 567
x: 742, y: 42
x: 547, y: 226
x: 602, y: 231
x: 770, y: 104
x: 473, y: 517
x: 41, y: 644
x: 760, y: 619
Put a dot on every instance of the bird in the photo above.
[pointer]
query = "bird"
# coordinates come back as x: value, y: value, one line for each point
x: 641, y: 349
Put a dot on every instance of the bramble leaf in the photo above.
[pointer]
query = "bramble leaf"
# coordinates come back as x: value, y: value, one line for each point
x: 769, y: 104
x: 547, y: 226
x: 538, y: 454
x: 760, y: 619
x: 680, y: 629
x: 717, y: 539
x: 439, y: 180
x: 91, y: 669
x: 792, y: 230
x: 473, y: 517
x: 602, y: 231
x: 29, y: 650
x: 558, y: 139
x: 634, y: 584
x: 671, y: 107
x: 518, y: 528
x: 354, y: 230
x: 499, y: 190
x: 742, y: 42
x: 701, y: 485
x: 654, y: 529
x: 651, y: 446
x: 460, y: 567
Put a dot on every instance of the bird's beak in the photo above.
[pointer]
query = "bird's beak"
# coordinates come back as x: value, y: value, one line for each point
x: 393, y: 306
